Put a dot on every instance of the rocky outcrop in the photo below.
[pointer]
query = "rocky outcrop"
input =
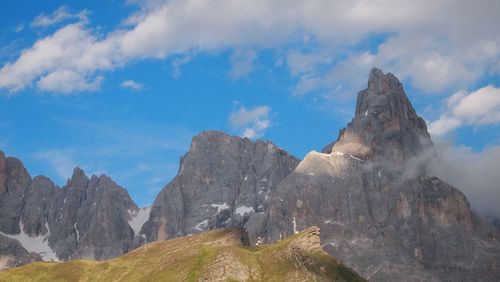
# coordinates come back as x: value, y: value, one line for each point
x: 87, y: 218
x: 375, y: 216
x: 223, y: 181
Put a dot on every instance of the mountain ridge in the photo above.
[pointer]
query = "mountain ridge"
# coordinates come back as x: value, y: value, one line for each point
x: 372, y: 193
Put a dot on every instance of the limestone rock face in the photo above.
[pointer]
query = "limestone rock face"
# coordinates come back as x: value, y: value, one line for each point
x: 87, y: 218
x: 380, y: 220
x: 223, y: 181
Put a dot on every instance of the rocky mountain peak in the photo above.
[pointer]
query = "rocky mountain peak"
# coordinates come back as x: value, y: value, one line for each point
x: 213, y: 138
x: 78, y: 179
x: 223, y: 181
x: 380, y: 83
x: 385, y: 127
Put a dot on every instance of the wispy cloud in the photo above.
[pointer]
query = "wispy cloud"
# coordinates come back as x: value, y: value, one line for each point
x: 58, y: 16
x: 251, y: 123
x: 19, y: 28
x: 130, y: 84
x: 62, y: 161
x: 177, y: 64
x: 242, y: 63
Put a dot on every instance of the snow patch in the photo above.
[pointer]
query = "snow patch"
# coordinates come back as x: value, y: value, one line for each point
x: 38, y: 244
x: 201, y: 225
x: 294, y: 222
x: 220, y: 207
x: 138, y: 218
x: 243, y: 210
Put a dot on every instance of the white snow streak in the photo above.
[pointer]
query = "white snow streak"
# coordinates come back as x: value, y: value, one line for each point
x: 77, y: 233
x: 294, y: 222
x: 201, y: 225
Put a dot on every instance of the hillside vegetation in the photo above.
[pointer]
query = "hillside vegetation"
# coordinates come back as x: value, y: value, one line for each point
x: 219, y: 255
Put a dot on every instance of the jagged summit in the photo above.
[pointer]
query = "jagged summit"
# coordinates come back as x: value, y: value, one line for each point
x: 77, y: 178
x: 385, y: 127
x: 222, y: 181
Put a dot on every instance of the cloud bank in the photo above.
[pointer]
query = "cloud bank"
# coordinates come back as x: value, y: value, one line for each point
x: 436, y: 44
x: 473, y: 173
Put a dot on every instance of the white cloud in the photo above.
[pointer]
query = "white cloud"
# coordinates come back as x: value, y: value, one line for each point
x: 478, y: 108
x: 130, y: 84
x: 59, y: 15
x: 437, y: 45
x: 67, y: 82
x: 71, y: 53
x: 252, y: 123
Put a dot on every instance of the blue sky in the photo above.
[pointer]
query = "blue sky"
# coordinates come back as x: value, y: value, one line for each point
x: 120, y: 87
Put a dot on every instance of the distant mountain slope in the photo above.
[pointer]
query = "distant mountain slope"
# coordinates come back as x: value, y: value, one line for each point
x: 220, y: 255
x: 88, y: 218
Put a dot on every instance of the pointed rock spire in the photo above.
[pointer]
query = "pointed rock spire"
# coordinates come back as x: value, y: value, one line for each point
x: 386, y: 126
x: 78, y: 179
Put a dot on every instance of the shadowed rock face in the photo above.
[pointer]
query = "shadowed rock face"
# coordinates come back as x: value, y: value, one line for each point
x: 222, y: 181
x: 385, y: 223
x: 87, y: 218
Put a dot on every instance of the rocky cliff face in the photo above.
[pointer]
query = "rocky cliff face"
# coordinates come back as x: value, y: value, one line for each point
x: 386, y: 223
x: 222, y: 181
x: 87, y: 218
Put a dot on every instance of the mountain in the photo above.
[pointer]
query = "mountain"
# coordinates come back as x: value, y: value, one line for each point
x: 380, y: 210
x: 221, y: 255
x: 223, y: 181
x: 87, y: 218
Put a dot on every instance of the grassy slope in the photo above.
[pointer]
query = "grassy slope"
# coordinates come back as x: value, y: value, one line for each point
x: 199, y: 256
